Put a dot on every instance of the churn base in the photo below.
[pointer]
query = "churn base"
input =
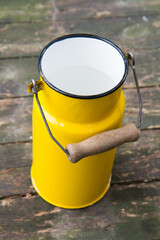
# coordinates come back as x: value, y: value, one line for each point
x: 71, y: 207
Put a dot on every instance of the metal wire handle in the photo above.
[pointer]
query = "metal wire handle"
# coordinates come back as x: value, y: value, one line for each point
x: 34, y: 90
x: 131, y: 61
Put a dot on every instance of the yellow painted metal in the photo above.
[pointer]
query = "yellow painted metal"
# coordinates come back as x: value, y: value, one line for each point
x: 57, y: 180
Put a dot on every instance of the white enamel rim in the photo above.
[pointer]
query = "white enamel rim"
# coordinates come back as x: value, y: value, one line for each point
x: 104, y: 45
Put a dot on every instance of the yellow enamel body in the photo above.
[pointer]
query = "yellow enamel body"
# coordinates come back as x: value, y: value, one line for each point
x: 71, y: 120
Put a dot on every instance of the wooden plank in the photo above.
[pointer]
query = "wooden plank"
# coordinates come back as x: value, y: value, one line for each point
x: 15, y: 181
x: 139, y: 160
x: 16, y: 124
x: 15, y: 120
x: 131, y: 33
x: 20, y: 10
x: 134, y: 162
x: 147, y: 69
x: 125, y: 213
x: 150, y: 114
x: 105, y: 9
x: 16, y: 155
x: 42, y: 10
x: 16, y: 73
x: 35, y: 36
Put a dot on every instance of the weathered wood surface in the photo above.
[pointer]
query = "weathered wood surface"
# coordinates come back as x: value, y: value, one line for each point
x: 15, y: 181
x: 105, y: 9
x: 35, y: 36
x: 135, y: 162
x: 16, y: 117
x: 147, y: 68
x: 126, y: 212
x: 130, y: 33
x: 15, y: 155
x: 139, y: 160
x: 151, y: 100
x: 22, y: 10
x: 130, y: 210
x: 16, y: 73
x: 15, y: 120
x: 38, y: 10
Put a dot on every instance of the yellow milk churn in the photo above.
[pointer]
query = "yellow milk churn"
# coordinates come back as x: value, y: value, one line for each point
x: 78, y: 110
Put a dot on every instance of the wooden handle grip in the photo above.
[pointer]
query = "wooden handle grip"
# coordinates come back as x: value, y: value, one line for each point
x: 102, y: 142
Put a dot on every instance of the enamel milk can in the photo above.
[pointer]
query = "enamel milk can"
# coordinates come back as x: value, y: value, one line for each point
x: 78, y: 109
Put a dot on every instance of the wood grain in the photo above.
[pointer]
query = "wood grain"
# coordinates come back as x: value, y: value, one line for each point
x: 15, y: 119
x: 125, y: 212
x: 35, y: 36
x: 20, y: 10
x: 17, y: 155
x: 102, y: 142
x: 147, y: 68
x: 134, y: 33
x: 150, y: 111
x: 38, y: 10
x: 139, y: 160
x: 15, y: 181
x: 16, y: 75
x: 128, y: 33
x: 105, y: 9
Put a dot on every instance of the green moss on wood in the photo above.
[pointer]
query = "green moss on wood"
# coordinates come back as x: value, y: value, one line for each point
x: 21, y: 10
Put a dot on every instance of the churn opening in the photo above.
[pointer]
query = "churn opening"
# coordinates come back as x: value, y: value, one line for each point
x: 83, y: 66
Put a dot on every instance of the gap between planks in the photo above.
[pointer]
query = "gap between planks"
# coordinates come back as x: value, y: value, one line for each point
x: 109, y: 17
x: 18, y: 142
x: 81, y: 19
x: 128, y: 183
x: 19, y: 57
x: 37, y: 21
x: 153, y: 128
x: 124, y: 88
x: 37, y: 55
